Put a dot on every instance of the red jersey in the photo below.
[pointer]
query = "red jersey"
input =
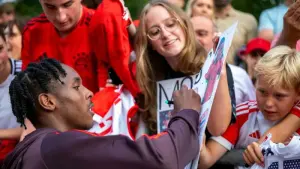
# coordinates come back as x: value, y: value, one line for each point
x: 40, y: 37
x: 111, y: 44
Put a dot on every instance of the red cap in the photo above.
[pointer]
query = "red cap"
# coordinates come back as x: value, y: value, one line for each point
x: 258, y: 44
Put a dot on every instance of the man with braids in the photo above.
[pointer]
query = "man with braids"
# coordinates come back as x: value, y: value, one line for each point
x: 52, y: 97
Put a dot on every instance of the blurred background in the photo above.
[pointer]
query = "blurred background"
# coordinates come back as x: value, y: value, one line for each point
x: 32, y: 8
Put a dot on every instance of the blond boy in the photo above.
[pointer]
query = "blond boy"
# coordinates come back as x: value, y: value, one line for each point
x: 277, y: 93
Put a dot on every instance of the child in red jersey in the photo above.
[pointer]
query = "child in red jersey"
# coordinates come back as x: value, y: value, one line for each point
x: 61, y: 32
x: 110, y: 40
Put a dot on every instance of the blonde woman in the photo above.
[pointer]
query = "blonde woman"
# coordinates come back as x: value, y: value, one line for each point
x: 166, y: 47
x: 200, y: 8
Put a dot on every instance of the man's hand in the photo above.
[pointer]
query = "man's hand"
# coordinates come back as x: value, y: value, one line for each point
x: 253, y: 154
x: 291, y: 27
x: 186, y: 99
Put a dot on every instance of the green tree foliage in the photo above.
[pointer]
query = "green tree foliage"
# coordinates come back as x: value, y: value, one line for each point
x: 135, y: 7
x: 254, y: 7
x: 33, y: 8
x: 28, y: 8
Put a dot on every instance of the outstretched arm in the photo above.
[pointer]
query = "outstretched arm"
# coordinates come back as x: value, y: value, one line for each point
x: 291, y: 27
x: 210, y: 154
x: 220, y: 116
x: 172, y: 149
x: 10, y: 134
x: 283, y: 130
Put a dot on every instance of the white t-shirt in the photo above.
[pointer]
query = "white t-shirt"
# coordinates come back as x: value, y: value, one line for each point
x: 7, y: 119
x: 243, y: 87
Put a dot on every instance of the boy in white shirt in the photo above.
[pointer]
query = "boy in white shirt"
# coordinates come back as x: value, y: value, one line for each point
x: 277, y: 93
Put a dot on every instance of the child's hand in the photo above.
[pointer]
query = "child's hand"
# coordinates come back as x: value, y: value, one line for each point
x: 253, y: 154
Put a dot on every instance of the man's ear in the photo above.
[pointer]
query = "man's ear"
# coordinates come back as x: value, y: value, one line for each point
x: 47, y: 101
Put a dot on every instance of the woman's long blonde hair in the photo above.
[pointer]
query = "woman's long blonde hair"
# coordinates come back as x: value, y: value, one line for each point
x: 151, y: 66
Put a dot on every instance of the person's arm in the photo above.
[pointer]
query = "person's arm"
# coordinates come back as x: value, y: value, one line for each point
x: 291, y: 27
x: 220, y: 115
x: 283, y: 130
x: 97, y: 40
x: 17, y: 133
x: 25, y: 54
x: 266, y: 28
x: 111, y: 42
x: 131, y: 28
x: 286, y: 128
x: 10, y: 134
x: 266, y: 34
x: 210, y: 153
x: 172, y: 149
x: 216, y: 147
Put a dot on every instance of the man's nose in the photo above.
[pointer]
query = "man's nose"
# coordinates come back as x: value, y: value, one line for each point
x: 61, y: 15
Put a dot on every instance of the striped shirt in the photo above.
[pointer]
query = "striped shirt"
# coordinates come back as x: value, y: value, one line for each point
x: 250, y: 126
x: 16, y: 66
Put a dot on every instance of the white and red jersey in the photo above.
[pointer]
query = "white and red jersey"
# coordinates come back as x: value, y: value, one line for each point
x: 114, y: 108
x: 249, y: 127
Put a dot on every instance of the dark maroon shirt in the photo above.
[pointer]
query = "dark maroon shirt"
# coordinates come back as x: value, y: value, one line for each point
x: 50, y: 149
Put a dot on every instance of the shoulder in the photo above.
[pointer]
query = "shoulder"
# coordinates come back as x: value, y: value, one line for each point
x: 275, y: 9
x: 88, y: 10
x: 66, y: 139
x: 240, y: 76
x: 79, y: 149
x: 238, y: 71
x: 86, y: 18
x: 16, y: 66
x: 36, y: 23
x: 245, y: 16
x: 56, y: 142
x: 109, y: 9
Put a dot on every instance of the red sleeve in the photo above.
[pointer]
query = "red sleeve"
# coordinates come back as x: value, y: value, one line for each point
x: 110, y: 43
x: 6, y: 146
x: 232, y: 133
x: 229, y: 137
x: 97, y: 37
x: 174, y: 148
x: 296, y: 110
x: 25, y: 54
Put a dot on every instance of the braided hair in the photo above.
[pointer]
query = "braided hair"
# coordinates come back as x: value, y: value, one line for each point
x: 28, y: 84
